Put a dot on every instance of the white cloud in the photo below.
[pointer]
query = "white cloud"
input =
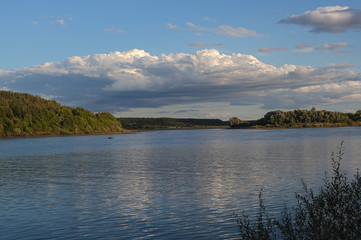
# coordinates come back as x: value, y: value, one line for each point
x: 301, y: 45
x: 333, y: 46
x: 266, y: 50
x: 137, y: 79
x: 234, y: 32
x: 222, y: 30
x: 113, y: 30
x: 198, y: 28
x: 331, y: 87
x: 58, y: 22
x: 328, y: 48
x: 339, y: 65
x: 173, y: 27
x: 331, y: 19
x: 210, y: 19
x: 216, y: 115
x: 305, y: 50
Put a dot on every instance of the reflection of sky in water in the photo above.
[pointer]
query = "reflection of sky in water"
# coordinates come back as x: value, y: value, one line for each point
x: 161, y: 184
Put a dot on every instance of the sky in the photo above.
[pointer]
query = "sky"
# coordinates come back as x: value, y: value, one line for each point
x: 184, y: 59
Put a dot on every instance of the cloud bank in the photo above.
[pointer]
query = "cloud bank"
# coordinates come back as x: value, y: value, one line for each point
x: 331, y: 19
x: 137, y: 79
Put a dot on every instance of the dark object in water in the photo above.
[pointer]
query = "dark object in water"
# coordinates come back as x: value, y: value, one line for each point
x: 110, y: 137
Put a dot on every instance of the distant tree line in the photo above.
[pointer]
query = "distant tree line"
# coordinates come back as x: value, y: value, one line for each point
x: 22, y: 114
x: 165, y: 123
x: 301, y: 118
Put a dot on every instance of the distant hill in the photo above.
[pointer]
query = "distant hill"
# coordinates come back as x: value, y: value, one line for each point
x: 22, y: 114
x: 170, y: 123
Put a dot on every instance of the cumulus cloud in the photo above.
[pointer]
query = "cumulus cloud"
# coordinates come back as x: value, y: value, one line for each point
x: 137, y: 79
x: 331, y: 19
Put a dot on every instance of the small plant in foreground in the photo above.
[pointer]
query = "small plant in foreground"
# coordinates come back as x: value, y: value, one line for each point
x: 332, y: 213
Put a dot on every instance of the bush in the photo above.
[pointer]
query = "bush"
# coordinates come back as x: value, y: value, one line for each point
x: 332, y: 213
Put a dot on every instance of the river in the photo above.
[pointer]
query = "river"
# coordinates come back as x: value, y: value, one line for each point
x: 177, y: 184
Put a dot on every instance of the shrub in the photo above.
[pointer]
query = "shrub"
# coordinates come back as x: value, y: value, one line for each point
x: 332, y: 213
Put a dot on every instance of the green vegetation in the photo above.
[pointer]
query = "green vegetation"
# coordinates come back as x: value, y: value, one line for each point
x: 22, y: 114
x: 332, y: 213
x: 170, y: 123
x: 301, y: 118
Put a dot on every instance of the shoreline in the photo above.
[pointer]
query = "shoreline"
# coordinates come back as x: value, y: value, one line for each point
x: 68, y: 135
x: 126, y: 131
x: 300, y: 127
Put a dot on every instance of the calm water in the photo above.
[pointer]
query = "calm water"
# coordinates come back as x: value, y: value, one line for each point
x: 182, y: 184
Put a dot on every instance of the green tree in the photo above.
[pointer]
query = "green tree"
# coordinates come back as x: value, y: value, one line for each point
x: 234, y: 121
x: 22, y: 114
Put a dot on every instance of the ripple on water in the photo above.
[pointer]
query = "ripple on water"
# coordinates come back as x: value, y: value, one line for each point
x: 158, y: 185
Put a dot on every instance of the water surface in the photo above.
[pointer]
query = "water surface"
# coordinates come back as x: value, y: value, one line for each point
x: 161, y: 184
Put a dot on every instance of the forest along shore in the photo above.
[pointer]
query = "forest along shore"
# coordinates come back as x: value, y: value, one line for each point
x: 300, y: 119
x: 171, y: 123
x: 25, y: 115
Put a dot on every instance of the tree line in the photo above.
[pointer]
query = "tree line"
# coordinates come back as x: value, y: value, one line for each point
x: 165, y: 122
x: 300, y: 118
x: 22, y: 114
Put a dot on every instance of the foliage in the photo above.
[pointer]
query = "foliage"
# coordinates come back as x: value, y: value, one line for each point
x: 236, y: 122
x: 332, y: 213
x: 304, y: 118
x: 162, y: 123
x: 22, y: 114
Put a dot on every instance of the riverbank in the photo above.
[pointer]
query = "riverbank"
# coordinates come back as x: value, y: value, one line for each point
x: 128, y: 131
x: 315, y: 125
x: 300, y: 119
x: 69, y: 135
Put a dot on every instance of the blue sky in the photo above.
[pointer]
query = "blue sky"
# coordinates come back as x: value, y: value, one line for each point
x: 208, y: 59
